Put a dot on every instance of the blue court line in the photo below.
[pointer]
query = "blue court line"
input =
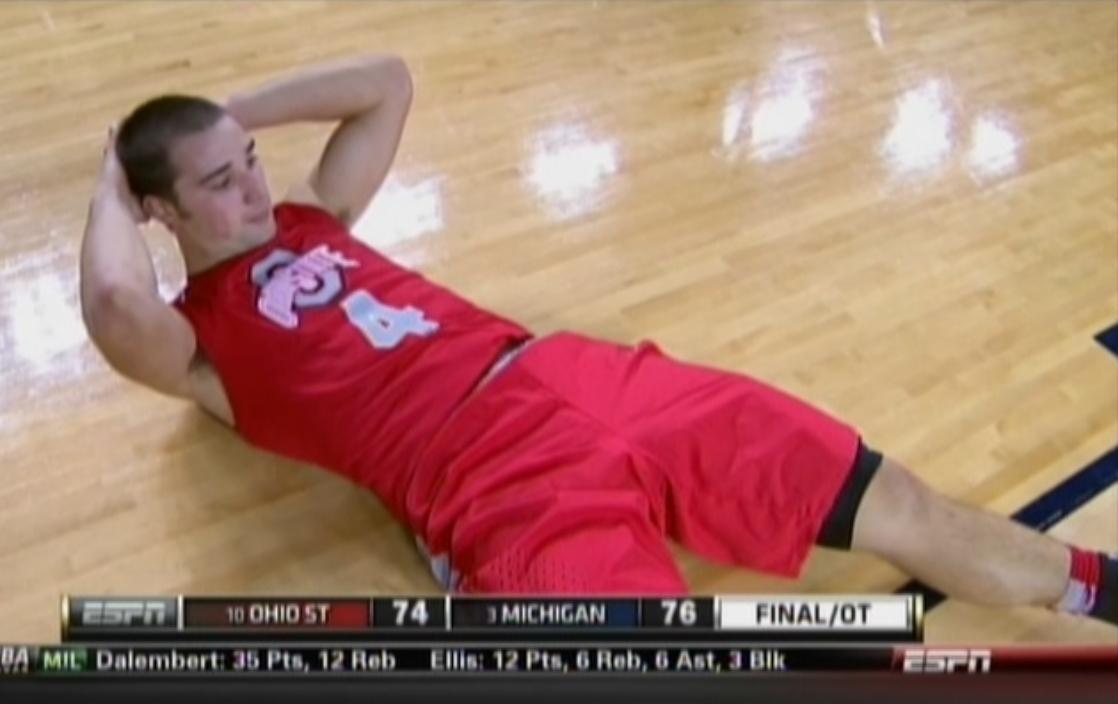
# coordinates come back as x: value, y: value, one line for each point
x: 1060, y: 501
x: 1109, y: 339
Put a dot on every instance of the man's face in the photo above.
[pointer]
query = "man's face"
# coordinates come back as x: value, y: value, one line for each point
x: 221, y: 188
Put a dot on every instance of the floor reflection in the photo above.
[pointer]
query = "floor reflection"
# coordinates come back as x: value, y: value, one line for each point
x: 570, y: 167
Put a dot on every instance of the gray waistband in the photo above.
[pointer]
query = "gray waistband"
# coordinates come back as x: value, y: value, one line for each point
x: 503, y: 361
x: 441, y: 569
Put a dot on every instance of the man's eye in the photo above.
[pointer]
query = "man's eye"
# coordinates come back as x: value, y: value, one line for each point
x: 223, y: 183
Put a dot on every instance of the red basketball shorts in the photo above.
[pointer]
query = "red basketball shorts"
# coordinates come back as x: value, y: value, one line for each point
x: 570, y: 470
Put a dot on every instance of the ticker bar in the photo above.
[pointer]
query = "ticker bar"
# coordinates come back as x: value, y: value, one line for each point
x: 456, y: 658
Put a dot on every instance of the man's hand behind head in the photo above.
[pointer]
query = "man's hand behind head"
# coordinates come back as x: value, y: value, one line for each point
x: 113, y: 181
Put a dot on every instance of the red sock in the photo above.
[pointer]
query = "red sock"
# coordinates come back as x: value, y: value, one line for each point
x: 1083, y: 582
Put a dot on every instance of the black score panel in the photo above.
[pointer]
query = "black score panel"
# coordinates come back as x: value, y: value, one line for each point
x: 410, y: 613
x: 678, y: 614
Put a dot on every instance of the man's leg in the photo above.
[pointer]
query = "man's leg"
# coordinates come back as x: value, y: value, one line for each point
x: 969, y: 553
x: 746, y: 474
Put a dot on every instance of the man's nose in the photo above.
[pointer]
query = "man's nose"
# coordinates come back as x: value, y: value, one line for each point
x: 252, y: 191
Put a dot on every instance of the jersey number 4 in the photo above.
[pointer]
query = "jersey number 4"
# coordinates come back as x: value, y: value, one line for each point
x: 382, y: 325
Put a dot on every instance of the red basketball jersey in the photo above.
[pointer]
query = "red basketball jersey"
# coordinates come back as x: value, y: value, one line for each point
x: 330, y: 353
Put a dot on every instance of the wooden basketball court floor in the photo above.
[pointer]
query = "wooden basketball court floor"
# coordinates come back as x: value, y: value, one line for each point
x: 904, y: 212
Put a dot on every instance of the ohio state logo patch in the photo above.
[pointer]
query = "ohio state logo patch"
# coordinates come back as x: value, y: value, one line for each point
x: 289, y: 282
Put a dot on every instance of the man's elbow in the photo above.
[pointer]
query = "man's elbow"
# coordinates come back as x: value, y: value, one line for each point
x: 403, y: 78
x: 114, y: 317
x: 391, y: 75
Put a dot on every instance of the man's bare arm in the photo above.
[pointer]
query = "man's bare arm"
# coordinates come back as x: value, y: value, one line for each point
x: 370, y: 96
x: 139, y: 334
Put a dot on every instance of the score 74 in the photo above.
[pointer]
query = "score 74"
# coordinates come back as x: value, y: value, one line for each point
x: 410, y: 613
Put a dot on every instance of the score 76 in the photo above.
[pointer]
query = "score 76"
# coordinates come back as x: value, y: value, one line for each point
x: 678, y: 613
x: 683, y: 610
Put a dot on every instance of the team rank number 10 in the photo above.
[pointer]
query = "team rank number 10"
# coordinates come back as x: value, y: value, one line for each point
x: 407, y: 613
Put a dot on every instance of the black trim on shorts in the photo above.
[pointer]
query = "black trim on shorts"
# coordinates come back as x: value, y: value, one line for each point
x: 838, y: 528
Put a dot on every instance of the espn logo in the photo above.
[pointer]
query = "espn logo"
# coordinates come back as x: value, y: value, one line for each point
x: 124, y: 613
x: 945, y: 660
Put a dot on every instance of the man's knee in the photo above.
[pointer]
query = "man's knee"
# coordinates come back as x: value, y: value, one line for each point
x: 880, y: 506
x: 896, y: 509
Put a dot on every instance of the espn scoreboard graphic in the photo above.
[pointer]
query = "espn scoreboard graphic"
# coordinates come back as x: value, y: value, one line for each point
x: 154, y: 637
x: 842, y: 618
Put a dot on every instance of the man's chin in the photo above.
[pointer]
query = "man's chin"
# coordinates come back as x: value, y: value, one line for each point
x: 255, y: 233
x: 266, y: 224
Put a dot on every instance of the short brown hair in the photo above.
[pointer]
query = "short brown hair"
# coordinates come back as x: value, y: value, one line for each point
x: 144, y: 141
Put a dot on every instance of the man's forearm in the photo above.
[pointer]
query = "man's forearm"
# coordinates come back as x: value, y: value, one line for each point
x: 135, y: 330
x: 330, y: 92
x: 114, y: 257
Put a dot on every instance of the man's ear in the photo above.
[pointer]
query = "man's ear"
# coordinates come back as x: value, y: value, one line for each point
x: 160, y: 209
